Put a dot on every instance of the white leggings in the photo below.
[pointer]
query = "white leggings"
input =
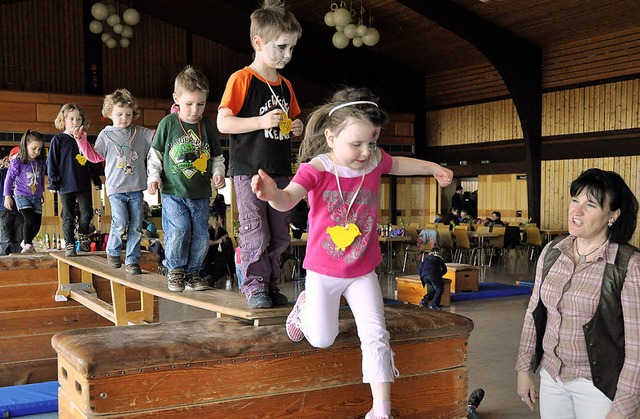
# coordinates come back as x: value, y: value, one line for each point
x: 319, y: 320
x: 577, y: 398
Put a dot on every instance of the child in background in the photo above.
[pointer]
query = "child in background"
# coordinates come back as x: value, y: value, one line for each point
x: 184, y: 156
x: 431, y: 271
x: 124, y: 148
x: 11, y: 221
x: 342, y: 180
x: 26, y: 178
x: 70, y: 174
x: 256, y: 109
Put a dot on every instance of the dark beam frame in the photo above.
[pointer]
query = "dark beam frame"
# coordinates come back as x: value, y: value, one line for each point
x: 520, y: 65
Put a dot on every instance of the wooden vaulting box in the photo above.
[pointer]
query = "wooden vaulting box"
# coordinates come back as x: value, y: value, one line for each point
x: 463, y: 277
x: 225, y: 368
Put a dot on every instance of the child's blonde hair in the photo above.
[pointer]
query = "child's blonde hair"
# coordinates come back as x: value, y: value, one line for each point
x: 325, y: 116
x: 191, y: 79
x: 64, y: 111
x: 273, y: 19
x: 122, y: 98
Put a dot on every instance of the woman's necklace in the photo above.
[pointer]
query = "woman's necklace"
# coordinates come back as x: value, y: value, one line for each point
x: 285, y: 122
x: 582, y: 258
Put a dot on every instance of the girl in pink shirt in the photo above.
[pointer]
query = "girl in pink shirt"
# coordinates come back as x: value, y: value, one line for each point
x: 342, y: 178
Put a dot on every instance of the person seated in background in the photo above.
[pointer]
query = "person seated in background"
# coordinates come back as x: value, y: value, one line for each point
x: 465, y: 217
x: 438, y: 218
x: 452, y: 216
x: 148, y: 228
x: 494, y: 220
x: 299, y: 219
x: 220, y: 257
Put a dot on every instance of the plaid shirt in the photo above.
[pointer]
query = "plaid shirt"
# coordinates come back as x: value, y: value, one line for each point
x: 571, y: 295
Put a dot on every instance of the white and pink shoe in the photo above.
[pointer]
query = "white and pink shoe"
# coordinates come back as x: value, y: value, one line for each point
x: 371, y: 415
x: 293, y: 320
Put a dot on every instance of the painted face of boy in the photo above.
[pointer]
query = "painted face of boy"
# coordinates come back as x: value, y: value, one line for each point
x: 278, y: 53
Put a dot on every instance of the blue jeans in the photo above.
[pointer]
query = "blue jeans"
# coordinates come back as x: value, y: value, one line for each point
x: 186, y: 234
x: 126, y: 209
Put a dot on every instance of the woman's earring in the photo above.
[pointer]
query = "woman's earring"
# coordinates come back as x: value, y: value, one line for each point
x: 609, y: 224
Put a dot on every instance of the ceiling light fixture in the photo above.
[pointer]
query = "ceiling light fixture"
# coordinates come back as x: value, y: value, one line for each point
x: 107, y: 14
x: 350, y: 27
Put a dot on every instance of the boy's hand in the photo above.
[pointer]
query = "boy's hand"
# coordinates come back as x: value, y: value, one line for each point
x: 297, y: 127
x: 443, y: 175
x: 8, y: 202
x: 153, y: 187
x: 219, y: 182
x: 263, y: 185
x: 271, y: 119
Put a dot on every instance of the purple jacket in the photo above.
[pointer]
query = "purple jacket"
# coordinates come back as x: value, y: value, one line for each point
x: 27, y: 179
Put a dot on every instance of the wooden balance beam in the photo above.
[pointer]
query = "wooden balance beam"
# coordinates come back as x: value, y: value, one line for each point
x: 224, y: 368
x: 222, y: 302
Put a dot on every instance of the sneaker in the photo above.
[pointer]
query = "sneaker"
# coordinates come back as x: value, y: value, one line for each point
x: 259, y: 299
x: 293, y: 319
x: 28, y: 248
x: 475, y: 398
x: 175, y: 279
x: 371, y: 415
x: 424, y: 303
x: 85, y: 244
x: 133, y: 269
x: 194, y: 282
x: 433, y: 307
x: 70, y: 251
x: 278, y: 299
x: 114, y: 261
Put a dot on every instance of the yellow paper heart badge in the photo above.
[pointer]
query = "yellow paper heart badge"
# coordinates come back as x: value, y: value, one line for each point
x: 285, y: 125
x: 81, y: 159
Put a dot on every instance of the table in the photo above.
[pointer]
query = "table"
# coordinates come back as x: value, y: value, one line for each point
x: 549, y: 233
x: 481, y: 235
x: 390, y: 240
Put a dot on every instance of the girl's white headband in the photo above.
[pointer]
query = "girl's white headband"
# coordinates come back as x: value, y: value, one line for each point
x: 356, y: 102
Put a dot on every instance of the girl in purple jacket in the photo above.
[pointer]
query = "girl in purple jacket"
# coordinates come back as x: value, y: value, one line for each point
x: 26, y: 177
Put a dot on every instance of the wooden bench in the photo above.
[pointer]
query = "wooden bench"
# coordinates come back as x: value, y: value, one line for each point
x: 222, y: 302
x: 225, y: 368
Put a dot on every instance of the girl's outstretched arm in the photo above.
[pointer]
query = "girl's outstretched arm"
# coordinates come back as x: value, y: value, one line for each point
x: 406, y: 166
x: 266, y: 189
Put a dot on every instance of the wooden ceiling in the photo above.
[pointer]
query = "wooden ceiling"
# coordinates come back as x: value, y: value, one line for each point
x: 419, y: 38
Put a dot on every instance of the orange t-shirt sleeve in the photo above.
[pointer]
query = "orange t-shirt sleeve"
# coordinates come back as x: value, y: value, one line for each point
x: 236, y: 91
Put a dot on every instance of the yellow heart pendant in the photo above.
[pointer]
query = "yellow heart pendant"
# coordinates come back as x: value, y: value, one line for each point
x: 285, y: 125
x: 81, y: 159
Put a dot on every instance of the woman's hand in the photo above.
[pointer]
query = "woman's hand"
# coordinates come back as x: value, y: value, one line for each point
x: 527, y: 389
x: 8, y: 202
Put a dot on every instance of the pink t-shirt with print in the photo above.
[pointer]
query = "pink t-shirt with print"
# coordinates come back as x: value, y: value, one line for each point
x: 329, y: 210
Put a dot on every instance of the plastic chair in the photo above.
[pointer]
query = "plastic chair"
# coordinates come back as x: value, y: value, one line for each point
x: 497, y: 243
x: 463, y: 246
x: 445, y: 241
x: 534, y: 241
x: 412, y: 248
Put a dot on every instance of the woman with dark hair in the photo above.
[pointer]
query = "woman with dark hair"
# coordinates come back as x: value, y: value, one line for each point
x: 582, y: 323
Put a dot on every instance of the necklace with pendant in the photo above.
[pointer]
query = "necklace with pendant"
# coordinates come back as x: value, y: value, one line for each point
x: 122, y: 162
x: 285, y: 122
x: 583, y: 258
x: 343, y: 236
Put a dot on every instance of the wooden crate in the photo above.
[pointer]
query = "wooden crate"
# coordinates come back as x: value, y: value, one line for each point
x: 226, y: 368
x: 410, y: 290
x: 463, y: 277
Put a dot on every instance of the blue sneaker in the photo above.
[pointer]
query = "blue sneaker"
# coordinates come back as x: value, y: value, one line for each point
x: 259, y: 299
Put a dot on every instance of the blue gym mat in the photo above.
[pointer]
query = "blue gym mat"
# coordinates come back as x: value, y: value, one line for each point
x: 491, y: 290
x: 29, y: 399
